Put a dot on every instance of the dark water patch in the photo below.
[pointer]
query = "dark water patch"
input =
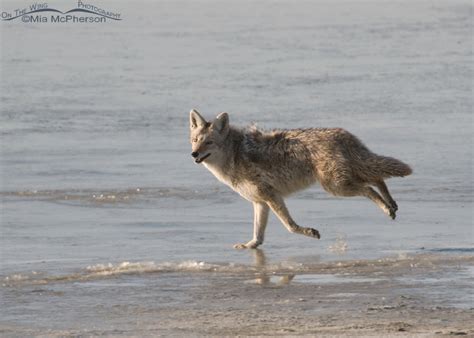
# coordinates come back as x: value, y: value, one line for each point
x: 453, y: 250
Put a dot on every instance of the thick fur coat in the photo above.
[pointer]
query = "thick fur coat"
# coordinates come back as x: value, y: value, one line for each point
x: 264, y: 167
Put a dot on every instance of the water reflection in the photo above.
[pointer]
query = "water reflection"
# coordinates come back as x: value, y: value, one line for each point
x: 265, y: 276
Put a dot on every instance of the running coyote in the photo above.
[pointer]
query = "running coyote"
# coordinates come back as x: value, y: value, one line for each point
x: 264, y: 167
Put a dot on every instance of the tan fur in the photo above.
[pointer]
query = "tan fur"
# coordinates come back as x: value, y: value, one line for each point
x: 264, y: 167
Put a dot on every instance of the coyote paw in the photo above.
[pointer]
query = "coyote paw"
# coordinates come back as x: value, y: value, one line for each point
x: 311, y: 233
x: 240, y: 246
x: 391, y: 213
x: 249, y: 245
x: 394, y: 205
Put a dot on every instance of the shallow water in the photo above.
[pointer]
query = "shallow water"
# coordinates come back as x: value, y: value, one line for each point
x: 102, y: 206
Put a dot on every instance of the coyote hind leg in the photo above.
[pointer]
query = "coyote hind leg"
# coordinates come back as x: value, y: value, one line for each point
x: 377, y: 199
x: 386, y: 194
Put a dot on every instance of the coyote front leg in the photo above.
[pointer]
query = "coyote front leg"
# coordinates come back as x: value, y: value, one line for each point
x: 278, y: 206
x: 260, y: 219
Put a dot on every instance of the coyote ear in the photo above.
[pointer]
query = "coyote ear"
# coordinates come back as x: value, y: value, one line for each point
x: 221, y: 122
x: 195, y: 119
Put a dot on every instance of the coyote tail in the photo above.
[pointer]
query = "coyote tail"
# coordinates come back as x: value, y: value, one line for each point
x: 385, y: 167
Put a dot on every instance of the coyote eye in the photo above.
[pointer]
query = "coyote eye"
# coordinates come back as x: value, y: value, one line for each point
x: 209, y: 142
x: 194, y: 140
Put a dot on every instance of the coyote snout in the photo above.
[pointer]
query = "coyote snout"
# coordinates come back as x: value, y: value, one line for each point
x: 264, y: 167
x: 198, y: 159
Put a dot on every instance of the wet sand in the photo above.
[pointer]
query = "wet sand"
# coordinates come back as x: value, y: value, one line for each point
x: 398, y: 296
x: 369, y: 301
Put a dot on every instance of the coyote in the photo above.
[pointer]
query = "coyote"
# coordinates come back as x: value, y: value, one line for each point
x: 264, y: 167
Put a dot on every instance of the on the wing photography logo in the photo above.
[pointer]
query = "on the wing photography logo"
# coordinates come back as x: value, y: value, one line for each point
x: 43, y: 13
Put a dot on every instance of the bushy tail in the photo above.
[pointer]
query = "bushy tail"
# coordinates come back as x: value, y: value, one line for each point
x: 385, y: 167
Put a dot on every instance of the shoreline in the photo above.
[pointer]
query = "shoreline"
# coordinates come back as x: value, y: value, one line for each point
x: 409, y: 296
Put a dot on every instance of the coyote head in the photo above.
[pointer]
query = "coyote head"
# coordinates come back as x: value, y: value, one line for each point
x: 207, y: 138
